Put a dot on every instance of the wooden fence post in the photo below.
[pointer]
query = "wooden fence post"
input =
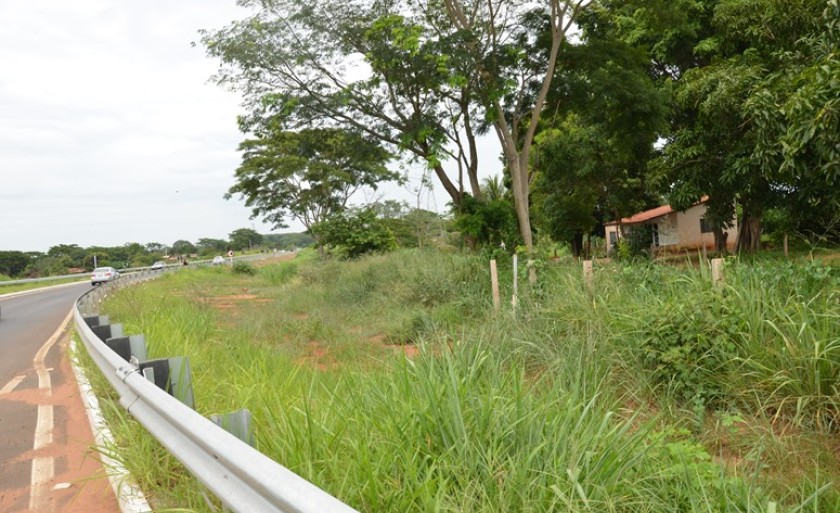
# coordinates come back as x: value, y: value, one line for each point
x: 494, y: 281
x: 587, y: 275
x: 514, y: 301
x: 717, y: 273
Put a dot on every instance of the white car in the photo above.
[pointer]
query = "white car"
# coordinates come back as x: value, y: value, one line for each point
x: 218, y: 260
x: 103, y: 275
x: 158, y: 265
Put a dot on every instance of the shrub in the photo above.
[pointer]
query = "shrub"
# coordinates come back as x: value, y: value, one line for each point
x: 686, y: 344
x: 243, y: 268
x: 354, y: 234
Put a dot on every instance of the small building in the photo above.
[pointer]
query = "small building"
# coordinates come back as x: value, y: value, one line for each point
x: 670, y: 230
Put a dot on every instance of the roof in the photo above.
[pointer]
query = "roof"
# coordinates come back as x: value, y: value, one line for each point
x: 653, y: 213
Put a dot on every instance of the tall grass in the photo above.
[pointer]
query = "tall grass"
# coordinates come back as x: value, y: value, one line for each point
x: 656, y: 392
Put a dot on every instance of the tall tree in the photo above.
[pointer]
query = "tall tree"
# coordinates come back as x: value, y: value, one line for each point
x: 306, y: 175
x: 713, y: 56
x: 516, y: 69
x: 598, y: 134
x: 374, y: 67
x: 244, y: 238
x: 183, y: 247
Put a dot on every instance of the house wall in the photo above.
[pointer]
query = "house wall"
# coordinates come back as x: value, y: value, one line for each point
x: 680, y: 230
x: 688, y: 223
x: 668, y: 227
x: 689, y: 230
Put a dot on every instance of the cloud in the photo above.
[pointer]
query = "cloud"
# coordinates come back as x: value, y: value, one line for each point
x: 109, y: 129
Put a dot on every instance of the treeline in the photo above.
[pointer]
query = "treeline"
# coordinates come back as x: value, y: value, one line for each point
x: 71, y: 258
x: 651, y: 102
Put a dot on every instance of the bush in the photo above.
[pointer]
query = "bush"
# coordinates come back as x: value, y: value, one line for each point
x: 355, y: 234
x: 243, y: 268
x: 686, y: 344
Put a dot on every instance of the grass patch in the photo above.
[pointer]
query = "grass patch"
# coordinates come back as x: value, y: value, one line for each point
x: 389, y: 382
x: 9, y: 289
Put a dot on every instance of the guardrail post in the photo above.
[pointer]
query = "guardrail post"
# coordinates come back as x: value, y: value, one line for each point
x: 172, y: 375
x: 97, y: 320
x: 128, y: 347
x: 106, y: 331
x: 237, y: 423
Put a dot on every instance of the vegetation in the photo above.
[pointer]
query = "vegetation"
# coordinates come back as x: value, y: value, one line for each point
x: 389, y: 381
x: 71, y: 258
x: 308, y: 175
x: 653, y: 102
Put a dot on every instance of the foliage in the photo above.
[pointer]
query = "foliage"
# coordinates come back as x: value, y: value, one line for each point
x: 743, y: 129
x: 244, y: 238
x: 547, y: 409
x: 288, y: 241
x: 208, y: 246
x: 413, y: 96
x: 412, y: 227
x: 490, y: 223
x: 13, y: 263
x: 687, y: 345
x: 307, y: 175
x: 243, y: 268
x: 353, y: 234
x: 183, y: 247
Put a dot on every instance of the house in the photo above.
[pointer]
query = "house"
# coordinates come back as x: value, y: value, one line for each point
x: 670, y: 230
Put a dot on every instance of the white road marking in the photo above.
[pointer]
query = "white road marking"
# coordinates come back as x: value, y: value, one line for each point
x: 14, y: 382
x: 42, y: 473
x: 44, y: 427
x: 129, y: 495
x: 44, y: 382
x: 43, y: 468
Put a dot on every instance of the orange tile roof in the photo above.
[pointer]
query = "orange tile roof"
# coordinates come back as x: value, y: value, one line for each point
x: 653, y: 213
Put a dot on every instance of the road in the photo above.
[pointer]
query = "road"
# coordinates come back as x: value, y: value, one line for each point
x: 47, y: 464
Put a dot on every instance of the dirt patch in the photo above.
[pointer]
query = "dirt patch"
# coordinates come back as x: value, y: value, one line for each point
x: 233, y: 301
x: 410, y: 351
x: 317, y: 356
x: 379, y: 339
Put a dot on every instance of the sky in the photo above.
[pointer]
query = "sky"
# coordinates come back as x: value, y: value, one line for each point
x: 111, y: 131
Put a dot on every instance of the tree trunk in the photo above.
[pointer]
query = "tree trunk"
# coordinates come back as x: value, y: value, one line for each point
x: 749, y: 234
x: 450, y: 188
x: 577, y: 244
x: 720, y: 240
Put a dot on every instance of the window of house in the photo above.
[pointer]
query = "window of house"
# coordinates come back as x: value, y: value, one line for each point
x: 705, y: 226
x: 613, y: 238
x: 654, y: 228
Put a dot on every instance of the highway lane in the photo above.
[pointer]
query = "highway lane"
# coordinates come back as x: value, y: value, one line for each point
x: 44, y: 435
x: 27, y: 321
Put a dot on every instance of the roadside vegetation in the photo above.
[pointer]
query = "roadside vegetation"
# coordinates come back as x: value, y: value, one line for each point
x: 9, y: 289
x: 390, y: 382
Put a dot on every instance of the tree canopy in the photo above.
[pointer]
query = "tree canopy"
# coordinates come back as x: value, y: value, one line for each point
x: 650, y: 101
x: 307, y: 175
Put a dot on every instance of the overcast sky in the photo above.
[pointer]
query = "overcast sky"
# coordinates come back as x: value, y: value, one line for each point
x: 109, y: 129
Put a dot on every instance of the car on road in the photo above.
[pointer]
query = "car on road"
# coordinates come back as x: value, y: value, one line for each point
x: 103, y: 275
x: 218, y: 260
x: 158, y: 265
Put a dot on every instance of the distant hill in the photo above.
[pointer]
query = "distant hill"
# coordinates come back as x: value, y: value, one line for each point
x: 287, y: 240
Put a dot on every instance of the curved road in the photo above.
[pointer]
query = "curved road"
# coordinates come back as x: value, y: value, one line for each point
x: 46, y: 461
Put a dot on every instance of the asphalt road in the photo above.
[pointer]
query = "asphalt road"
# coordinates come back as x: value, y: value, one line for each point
x: 27, y: 321
x: 38, y: 399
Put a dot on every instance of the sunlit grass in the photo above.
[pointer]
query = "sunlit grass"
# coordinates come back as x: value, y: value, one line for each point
x: 10, y: 289
x: 557, y: 406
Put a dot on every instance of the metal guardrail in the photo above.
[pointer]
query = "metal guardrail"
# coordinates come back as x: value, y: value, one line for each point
x: 244, y: 479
